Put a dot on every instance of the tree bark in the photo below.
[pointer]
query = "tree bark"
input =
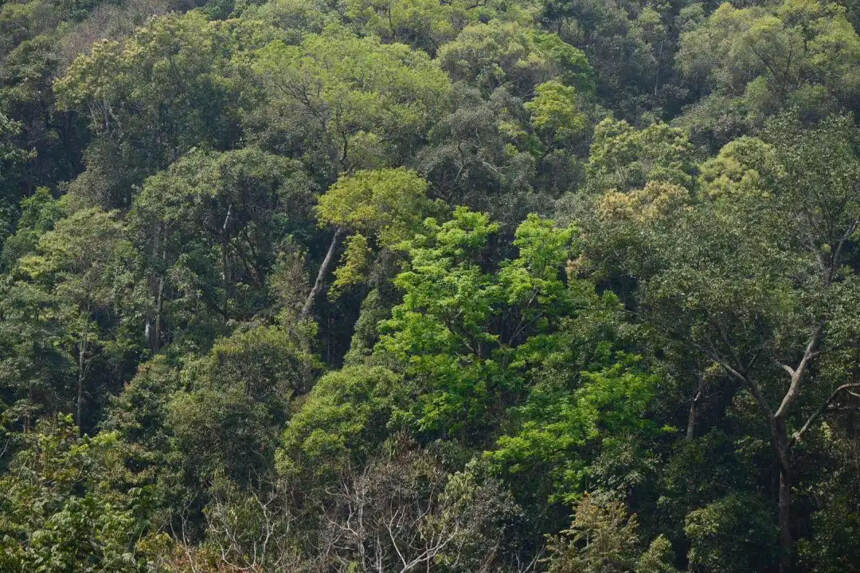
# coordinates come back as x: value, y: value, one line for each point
x: 786, y: 541
x: 159, y: 305
x: 82, y: 350
x: 159, y: 251
x: 80, y: 393
x: 780, y: 442
x: 225, y: 260
x: 694, y: 406
x: 318, y: 283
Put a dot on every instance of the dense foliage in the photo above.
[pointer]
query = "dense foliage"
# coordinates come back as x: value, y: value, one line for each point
x: 458, y: 286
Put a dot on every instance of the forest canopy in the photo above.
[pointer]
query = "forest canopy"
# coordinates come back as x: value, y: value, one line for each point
x: 564, y: 286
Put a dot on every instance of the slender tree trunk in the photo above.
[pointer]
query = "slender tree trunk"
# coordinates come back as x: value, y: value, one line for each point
x: 159, y: 251
x: 786, y: 542
x: 82, y: 350
x: 782, y: 449
x: 694, y: 406
x: 691, y: 421
x: 159, y: 305
x: 318, y: 283
x: 225, y: 261
x: 78, y: 400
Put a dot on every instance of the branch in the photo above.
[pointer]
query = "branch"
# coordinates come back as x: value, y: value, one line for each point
x: 309, y: 301
x: 754, y: 388
x: 797, y: 375
x: 799, y: 434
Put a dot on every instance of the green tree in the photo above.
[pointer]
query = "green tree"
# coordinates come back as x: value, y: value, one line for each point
x: 86, y: 265
x: 796, y: 53
x: 463, y: 331
x: 603, y: 537
x: 734, y: 533
x: 170, y: 87
x: 236, y: 402
x: 509, y: 54
x: 210, y: 228
x: 629, y: 46
x: 58, y: 514
x: 344, y: 419
x: 384, y: 206
x: 11, y: 159
x: 624, y: 158
x: 422, y: 24
x: 756, y: 281
x: 555, y: 114
x: 349, y: 102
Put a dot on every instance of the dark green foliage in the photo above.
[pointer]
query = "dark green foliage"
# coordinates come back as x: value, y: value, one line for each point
x: 734, y: 533
x: 458, y: 286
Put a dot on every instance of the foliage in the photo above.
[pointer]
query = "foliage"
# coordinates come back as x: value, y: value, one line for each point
x: 459, y: 328
x: 358, y: 98
x: 624, y: 158
x: 507, y: 54
x: 352, y: 285
x: 731, y: 534
x: 346, y: 415
x: 57, y: 512
x: 385, y: 203
x: 603, y: 537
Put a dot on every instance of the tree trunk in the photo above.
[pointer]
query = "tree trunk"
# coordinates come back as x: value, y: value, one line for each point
x: 782, y: 449
x: 225, y: 275
x: 78, y: 401
x: 159, y: 305
x: 225, y: 260
x: 786, y: 542
x: 691, y: 421
x: 82, y: 349
x: 318, y: 283
x: 694, y: 405
x: 159, y: 251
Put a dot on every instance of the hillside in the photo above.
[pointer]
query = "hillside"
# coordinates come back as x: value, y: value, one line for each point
x: 429, y: 285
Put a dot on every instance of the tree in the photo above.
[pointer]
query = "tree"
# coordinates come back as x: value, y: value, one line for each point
x: 484, y: 155
x: 498, y: 54
x: 565, y: 425
x: 85, y: 265
x: 57, y: 512
x: 11, y: 158
x: 150, y: 99
x: 344, y: 419
x: 731, y: 534
x: 463, y: 332
x: 555, y: 114
x: 383, y: 206
x: 227, y: 420
x: 630, y: 48
x: 422, y: 24
x: 51, y: 139
x: 624, y: 158
x: 360, y: 104
x: 794, y: 53
x: 393, y: 503
x: 210, y: 228
x: 766, y: 309
x: 603, y: 537
x: 36, y: 368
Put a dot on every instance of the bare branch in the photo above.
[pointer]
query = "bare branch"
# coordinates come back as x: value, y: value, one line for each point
x: 797, y: 375
x: 823, y: 408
